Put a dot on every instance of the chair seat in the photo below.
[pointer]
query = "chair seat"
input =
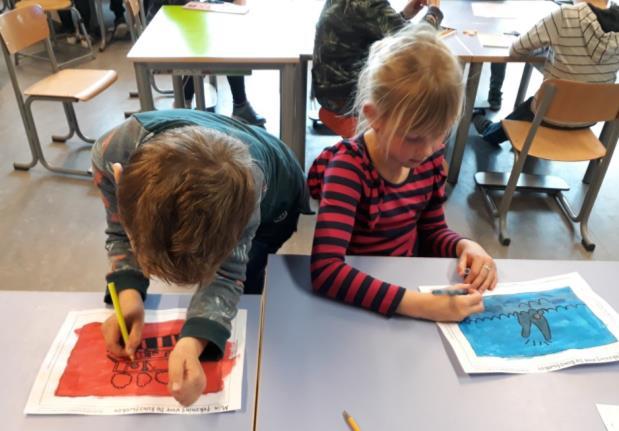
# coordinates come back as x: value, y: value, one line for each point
x: 555, y: 144
x: 343, y: 126
x: 78, y: 84
x: 47, y: 5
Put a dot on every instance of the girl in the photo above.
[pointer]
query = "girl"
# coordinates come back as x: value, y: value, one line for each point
x: 382, y: 192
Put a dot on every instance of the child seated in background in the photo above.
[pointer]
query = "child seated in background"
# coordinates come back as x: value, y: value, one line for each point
x: 193, y: 197
x: 581, y: 43
x: 382, y: 192
x: 344, y: 33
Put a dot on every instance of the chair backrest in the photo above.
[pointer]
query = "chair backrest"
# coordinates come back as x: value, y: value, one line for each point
x: 23, y: 27
x: 580, y: 102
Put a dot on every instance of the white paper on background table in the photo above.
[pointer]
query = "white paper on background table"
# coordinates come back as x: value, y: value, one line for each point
x: 148, y: 371
x: 490, y: 40
x: 610, y: 416
x: 498, y: 10
x: 536, y: 326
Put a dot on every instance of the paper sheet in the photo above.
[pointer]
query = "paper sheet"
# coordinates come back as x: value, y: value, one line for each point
x: 490, y: 40
x: 536, y: 326
x: 610, y: 416
x: 498, y: 10
x: 79, y: 377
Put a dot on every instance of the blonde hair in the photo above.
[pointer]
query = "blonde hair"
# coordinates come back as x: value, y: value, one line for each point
x: 414, y: 81
x: 185, y: 198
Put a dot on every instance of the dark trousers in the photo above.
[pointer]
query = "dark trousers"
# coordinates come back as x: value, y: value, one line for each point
x: 494, y: 133
x: 237, y: 87
x: 497, y: 76
x: 269, y: 238
x: 83, y: 7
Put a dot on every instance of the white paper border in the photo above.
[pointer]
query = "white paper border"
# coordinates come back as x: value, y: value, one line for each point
x: 471, y: 363
x: 43, y: 401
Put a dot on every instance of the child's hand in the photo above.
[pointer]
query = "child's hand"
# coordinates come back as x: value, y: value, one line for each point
x: 186, y: 376
x: 132, y: 307
x: 412, y: 7
x: 441, y: 308
x: 482, y: 270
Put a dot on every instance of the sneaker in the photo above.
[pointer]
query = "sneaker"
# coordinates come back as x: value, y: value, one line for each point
x: 84, y: 41
x: 121, y: 29
x: 246, y: 114
x: 72, y: 39
x: 481, y: 123
x: 495, y: 98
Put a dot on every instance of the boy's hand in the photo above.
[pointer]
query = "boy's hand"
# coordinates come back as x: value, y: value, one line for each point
x: 441, y: 308
x: 186, y: 376
x: 482, y: 269
x: 132, y: 307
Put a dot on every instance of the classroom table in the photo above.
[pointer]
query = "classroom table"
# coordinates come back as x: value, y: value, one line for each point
x: 320, y: 357
x: 30, y: 321
x: 189, y: 42
x: 459, y: 15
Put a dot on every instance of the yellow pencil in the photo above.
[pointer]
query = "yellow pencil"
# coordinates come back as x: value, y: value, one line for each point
x: 119, y: 314
x: 350, y: 421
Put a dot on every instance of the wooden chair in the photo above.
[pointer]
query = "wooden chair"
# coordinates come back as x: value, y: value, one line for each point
x: 137, y: 23
x: 563, y: 102
x: 54, y: 6
x: 20, y: 29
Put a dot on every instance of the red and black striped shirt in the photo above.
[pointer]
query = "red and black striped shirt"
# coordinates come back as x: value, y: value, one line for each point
x: 363, y: 214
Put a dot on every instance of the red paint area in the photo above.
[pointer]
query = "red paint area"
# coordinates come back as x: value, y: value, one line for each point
x: 92, y: 371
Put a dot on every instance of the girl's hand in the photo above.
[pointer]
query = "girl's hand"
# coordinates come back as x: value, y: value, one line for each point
x: 186, y: 376
x: 481, y: 267
x: 441, y: 308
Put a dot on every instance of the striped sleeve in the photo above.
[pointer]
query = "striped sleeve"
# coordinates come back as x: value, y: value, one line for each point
x: 331, y: 276
x: 435, y: 237
x: 537, y: 38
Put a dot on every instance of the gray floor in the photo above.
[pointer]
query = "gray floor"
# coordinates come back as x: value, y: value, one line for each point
x: 52, y: 226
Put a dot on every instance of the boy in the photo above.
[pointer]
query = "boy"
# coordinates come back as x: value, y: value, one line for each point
x: 193, y: 197
x: 582, y: 43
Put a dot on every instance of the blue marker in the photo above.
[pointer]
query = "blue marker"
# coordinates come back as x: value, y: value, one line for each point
x: 450, y: 292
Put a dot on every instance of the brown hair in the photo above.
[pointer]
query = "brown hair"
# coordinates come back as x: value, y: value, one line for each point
x: 414, y: 81
x: 184, y: 199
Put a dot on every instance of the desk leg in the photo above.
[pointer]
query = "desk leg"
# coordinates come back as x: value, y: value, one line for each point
x: 288, y: 87
x: 142, y: 78
x: 179, y: 94
x: 101, y: 21
x: 301, y: 110
x: 524, y: 84
x: 462, y: 133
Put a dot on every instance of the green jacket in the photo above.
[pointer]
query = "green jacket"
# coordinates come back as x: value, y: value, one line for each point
x: 345, y: 31
x: 280, y: 187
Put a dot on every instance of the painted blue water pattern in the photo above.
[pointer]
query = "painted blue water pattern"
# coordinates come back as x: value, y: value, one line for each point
x: 534, y: 324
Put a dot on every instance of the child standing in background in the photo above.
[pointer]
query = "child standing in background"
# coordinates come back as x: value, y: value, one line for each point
x: 382, y: 192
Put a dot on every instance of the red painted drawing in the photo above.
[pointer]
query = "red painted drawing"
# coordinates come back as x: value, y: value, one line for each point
x: 91, y: 371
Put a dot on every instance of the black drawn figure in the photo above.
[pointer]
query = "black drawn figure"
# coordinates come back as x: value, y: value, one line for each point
x: 150, y: 364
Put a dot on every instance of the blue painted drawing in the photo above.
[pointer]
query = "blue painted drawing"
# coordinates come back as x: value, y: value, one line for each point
x: 534, y: 324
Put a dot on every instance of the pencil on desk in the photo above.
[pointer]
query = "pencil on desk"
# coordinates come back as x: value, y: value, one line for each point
x: 119, y: 314
x: 350, y: 421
